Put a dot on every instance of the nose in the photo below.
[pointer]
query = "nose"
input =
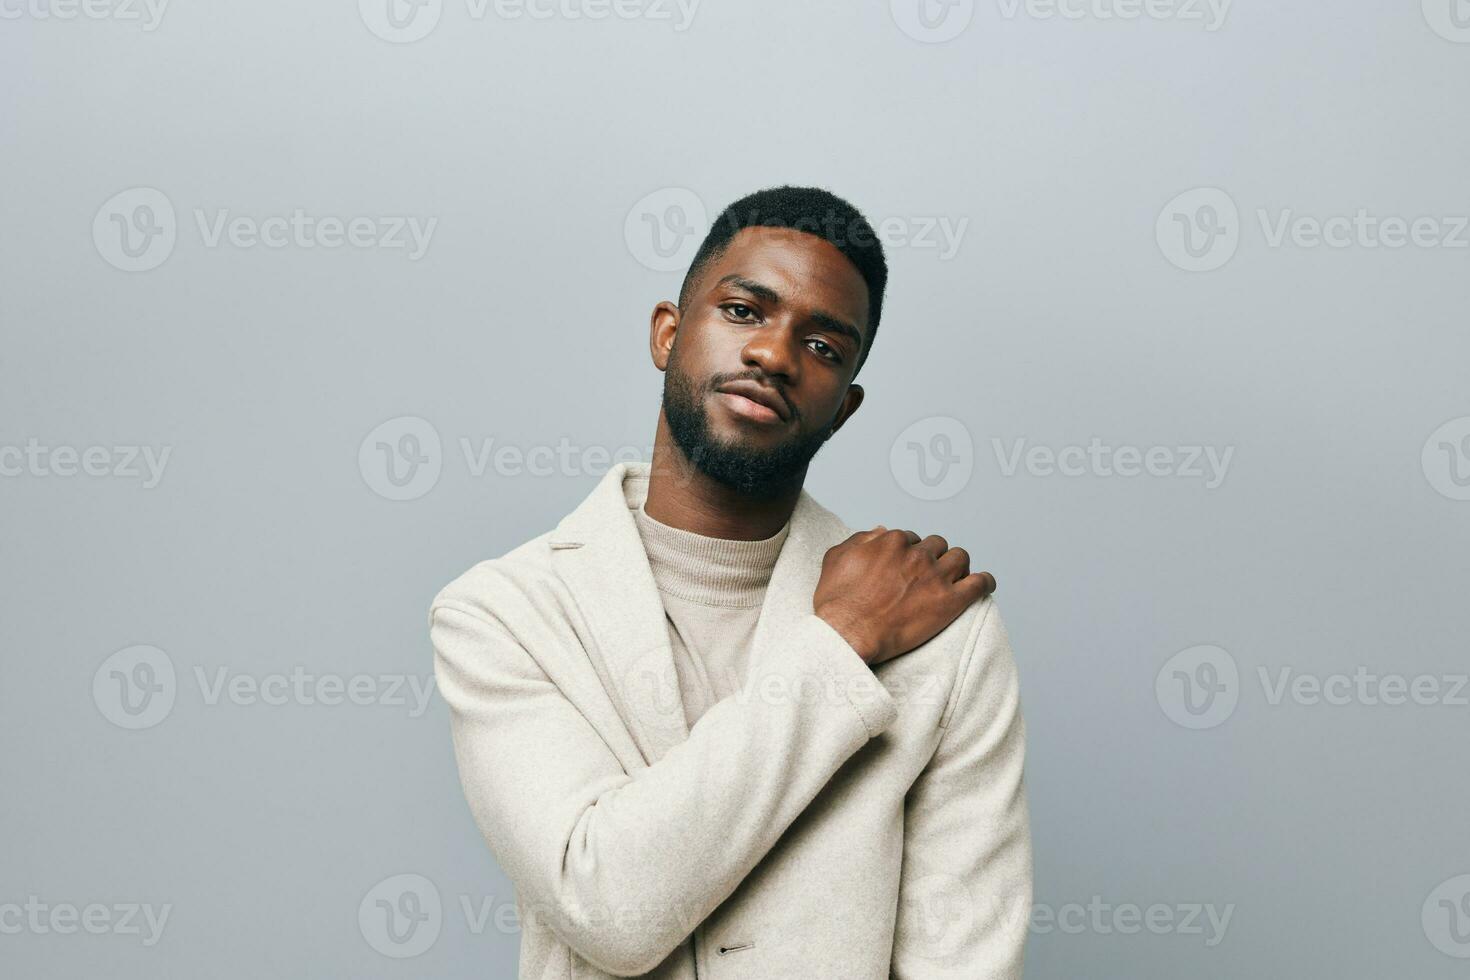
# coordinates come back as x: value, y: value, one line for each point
x: 771, y: 348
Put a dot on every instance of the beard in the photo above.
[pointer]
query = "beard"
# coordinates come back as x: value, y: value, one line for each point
x: 753, y: 471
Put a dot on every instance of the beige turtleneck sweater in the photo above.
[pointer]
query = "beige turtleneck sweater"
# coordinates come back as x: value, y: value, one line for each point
x: 712, y: 590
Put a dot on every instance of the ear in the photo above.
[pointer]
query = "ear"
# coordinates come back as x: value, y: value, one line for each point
x: 662, y: 326
x: 850, y: 403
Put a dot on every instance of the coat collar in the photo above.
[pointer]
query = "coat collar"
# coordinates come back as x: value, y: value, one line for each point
x: 597, y: 552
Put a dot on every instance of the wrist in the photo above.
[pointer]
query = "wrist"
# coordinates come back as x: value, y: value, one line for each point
x: 856, y: 638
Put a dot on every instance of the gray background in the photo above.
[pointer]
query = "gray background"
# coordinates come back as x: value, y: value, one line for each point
x: 1332, y: 543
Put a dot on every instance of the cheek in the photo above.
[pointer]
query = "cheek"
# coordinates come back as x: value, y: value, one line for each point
x: 826, y: 406
x: 707, y: 350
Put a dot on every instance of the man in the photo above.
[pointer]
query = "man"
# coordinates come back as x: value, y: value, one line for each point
x: 705, y: 728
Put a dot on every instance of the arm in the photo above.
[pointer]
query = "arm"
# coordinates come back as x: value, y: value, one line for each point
x: 965, y: 891
x: 624, y: 867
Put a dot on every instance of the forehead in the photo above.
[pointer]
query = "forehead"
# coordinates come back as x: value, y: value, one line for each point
x: 806, y: 270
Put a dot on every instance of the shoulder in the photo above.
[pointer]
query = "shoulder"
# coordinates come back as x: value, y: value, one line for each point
x: 986, y: 674
x: 485, y: 589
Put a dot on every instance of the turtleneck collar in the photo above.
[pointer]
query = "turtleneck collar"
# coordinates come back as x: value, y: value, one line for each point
x: 713, y: 571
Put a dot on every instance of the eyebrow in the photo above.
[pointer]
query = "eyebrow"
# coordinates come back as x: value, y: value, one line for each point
x: 766, y: 293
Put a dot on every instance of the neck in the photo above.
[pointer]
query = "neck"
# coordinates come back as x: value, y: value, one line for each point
x: 683, y: 496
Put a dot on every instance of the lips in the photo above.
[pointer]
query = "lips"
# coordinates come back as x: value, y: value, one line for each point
x: 759, y: 394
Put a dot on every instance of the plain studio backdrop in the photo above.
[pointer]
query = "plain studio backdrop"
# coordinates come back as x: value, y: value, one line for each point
x: 308, y: 307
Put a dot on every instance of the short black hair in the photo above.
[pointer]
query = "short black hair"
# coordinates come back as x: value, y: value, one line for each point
x: 812, y: 210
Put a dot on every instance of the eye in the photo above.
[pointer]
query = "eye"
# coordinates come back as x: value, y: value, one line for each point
x: 740, y: 311
x: 834, y: 356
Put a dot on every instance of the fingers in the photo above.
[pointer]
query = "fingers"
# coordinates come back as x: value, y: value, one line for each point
x: 935, y: 545
x: 980, y: 584
x: 878, y: 530
x: 872, y: 532
x: 954, y: 563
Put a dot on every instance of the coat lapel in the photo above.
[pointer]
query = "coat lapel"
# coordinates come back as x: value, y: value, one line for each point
x: 597, y: 552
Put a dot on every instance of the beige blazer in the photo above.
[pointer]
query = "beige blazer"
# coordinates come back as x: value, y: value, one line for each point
x: 830, y: 821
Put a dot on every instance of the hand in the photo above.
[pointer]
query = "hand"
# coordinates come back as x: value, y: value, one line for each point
x: 887, y: 592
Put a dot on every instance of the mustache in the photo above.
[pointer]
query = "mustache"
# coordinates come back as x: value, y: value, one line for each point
x: 760, y: 379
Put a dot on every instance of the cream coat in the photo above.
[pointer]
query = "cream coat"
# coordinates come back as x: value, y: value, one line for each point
x: 831, y: 821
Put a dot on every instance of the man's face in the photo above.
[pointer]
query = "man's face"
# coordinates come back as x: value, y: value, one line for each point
x: 781, y: 309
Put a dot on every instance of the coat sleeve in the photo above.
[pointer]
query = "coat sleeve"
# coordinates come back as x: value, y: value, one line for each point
x: 622, y: 867
x: 965, y: 890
